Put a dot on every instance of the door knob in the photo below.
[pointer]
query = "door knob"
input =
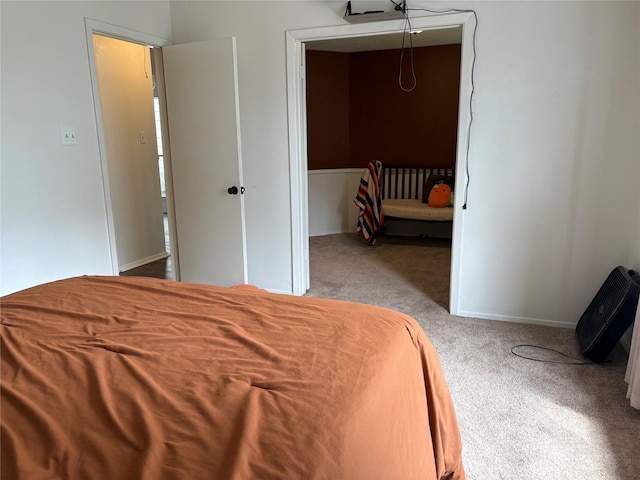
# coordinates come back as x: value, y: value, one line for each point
x: 234, y: 190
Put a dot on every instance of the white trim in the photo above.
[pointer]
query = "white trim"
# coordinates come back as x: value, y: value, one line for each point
x: 279, y: 292
x: 297, y: 132
x: 297, y: 166
x: 462, y: 152
x: 510, y: 319
x: 168, y: 165
x: 245, y: 267
x: 144, y: 261
x: 94, y: 26
x: 115, y: 31
x: 339, y: 232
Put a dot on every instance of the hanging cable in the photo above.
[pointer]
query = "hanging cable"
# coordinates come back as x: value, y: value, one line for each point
x: 407, y: 23
x: 473, y: 64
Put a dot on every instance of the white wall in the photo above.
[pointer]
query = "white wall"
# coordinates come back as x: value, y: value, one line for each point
x: 53, y: 221
x: 331, y: 200
x: 127, y: 110
x: 555, y: 127
x: 553, y: 155
x: 553, y: 198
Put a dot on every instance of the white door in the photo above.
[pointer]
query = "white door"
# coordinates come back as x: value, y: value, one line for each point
x: 204, y: 132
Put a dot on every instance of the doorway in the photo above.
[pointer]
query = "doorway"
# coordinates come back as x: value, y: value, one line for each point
x: 191, y: 76
x: 140, y: 220
x: 296, y: 83
x: 125, y: 77
x: 163, y: 268
x: 359, y: 110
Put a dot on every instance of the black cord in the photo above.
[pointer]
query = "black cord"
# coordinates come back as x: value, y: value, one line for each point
x: 407, y: 22
x: 399, y: 6
x: 473, y: 66
x: 579, y: 362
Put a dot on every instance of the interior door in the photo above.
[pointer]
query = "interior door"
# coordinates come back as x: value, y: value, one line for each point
x: 204, y: 135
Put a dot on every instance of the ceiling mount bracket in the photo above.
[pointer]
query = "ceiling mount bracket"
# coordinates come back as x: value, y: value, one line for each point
x: 375, y: 15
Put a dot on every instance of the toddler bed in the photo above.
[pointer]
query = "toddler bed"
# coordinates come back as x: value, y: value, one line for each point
x: 405, y: 192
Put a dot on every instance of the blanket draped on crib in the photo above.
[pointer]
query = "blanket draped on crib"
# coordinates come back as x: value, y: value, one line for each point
x: 369, y: 202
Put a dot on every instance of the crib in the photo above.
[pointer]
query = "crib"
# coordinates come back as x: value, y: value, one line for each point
x: 404, y: 201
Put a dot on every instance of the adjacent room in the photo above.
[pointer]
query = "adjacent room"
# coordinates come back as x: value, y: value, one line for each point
x: 394, y: 99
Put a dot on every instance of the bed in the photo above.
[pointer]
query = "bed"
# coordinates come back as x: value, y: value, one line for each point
x: 405, y: 193
x: 140, y: 378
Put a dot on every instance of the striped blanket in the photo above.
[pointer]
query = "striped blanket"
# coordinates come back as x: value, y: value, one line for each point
x: 369, y: 202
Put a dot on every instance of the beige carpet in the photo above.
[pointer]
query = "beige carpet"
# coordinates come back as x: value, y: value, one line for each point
x: 519, y: 419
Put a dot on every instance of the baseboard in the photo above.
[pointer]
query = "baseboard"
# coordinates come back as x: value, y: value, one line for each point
x: 506, y: 318
x: 340, y: 232
x: 280, y: 292
x: 143, y: 261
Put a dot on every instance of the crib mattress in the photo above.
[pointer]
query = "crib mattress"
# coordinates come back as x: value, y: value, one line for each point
x: 415, y: 210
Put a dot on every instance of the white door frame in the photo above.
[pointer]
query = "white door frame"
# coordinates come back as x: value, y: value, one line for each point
x: 296, y: 87
x: 95, y: 26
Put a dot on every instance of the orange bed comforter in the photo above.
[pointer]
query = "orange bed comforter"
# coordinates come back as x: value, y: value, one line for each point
x: 134, y: 378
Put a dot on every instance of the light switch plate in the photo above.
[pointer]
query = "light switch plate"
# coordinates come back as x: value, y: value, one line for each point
x: 68, y: 136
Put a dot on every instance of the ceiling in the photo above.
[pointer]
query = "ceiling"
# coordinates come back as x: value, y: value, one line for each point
x: 390, y: 41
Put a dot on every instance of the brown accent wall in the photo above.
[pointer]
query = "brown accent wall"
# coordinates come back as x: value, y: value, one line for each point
x: 417, y: 128
x: 327, y: 109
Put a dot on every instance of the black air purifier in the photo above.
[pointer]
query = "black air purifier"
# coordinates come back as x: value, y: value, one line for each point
x: 609, y: 314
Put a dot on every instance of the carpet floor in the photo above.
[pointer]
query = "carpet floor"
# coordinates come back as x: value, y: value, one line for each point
x: 519, y: 419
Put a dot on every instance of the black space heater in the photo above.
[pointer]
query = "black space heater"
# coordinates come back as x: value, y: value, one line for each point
x: 609, y: 314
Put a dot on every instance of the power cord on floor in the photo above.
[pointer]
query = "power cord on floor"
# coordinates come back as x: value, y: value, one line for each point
x: 579, y: 362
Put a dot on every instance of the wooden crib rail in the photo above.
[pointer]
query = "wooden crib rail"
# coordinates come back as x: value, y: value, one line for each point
x: 407, y: 182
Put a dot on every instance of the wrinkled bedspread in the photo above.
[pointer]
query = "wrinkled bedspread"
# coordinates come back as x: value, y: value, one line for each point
x: 134, y: 378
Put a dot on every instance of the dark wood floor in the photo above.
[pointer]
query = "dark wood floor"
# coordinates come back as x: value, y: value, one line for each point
x: 162, y: 268
x: 159, y: 269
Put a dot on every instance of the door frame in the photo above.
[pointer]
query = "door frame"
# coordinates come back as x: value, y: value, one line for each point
x: 296, y: 88
x: 102, y: 28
